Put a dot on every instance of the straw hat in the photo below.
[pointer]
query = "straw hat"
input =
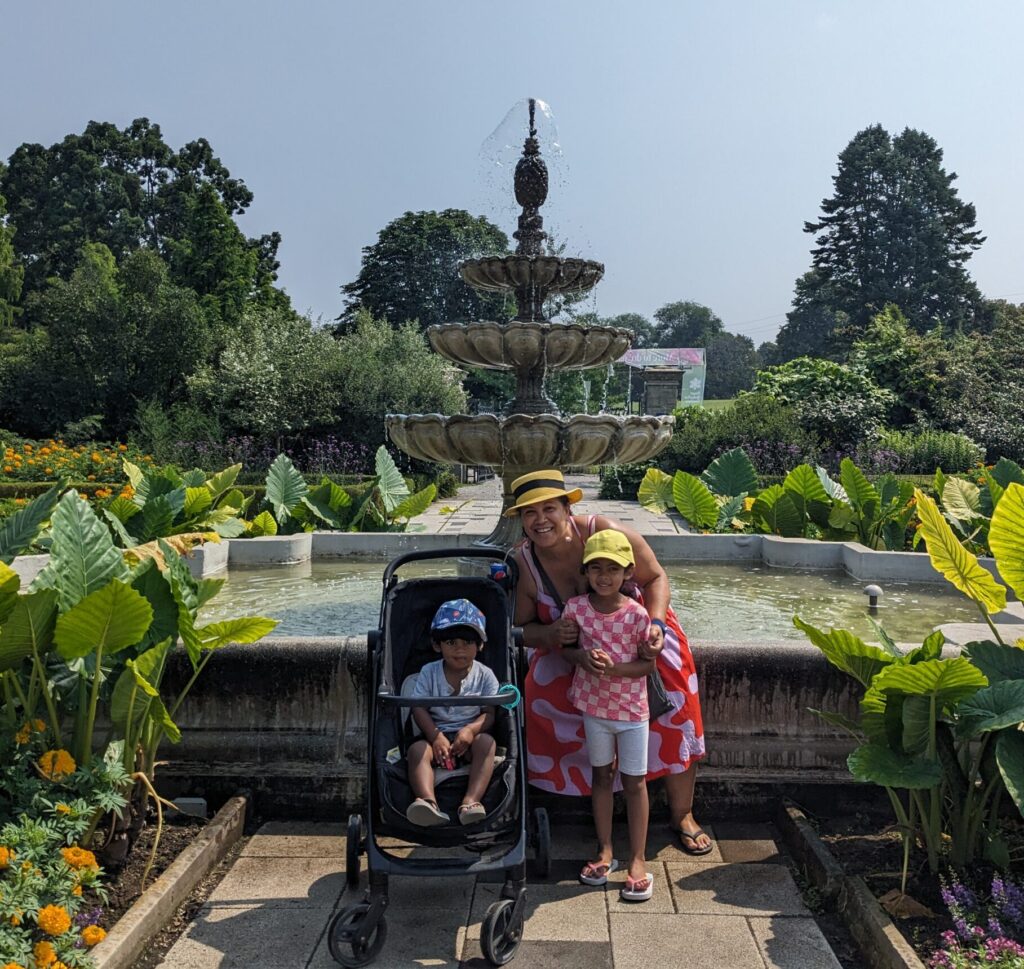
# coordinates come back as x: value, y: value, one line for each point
x: 528, y: 489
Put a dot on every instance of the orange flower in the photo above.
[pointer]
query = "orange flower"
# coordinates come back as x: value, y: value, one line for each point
x: 90, y: 477
x: 77, y: 890
x: 27, y: 729
x: 122, y: 447
x: 53, y: 919
x: 92, y: 935
x: 6, y: 856
x: 61, y: 808
x: 44, y: 953
x: 55, y: 765
x: 76, y: 857
x: 97, y: 457
x: 44, y: 450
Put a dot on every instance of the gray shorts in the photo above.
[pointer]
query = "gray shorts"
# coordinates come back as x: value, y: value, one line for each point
x: 628, y: 736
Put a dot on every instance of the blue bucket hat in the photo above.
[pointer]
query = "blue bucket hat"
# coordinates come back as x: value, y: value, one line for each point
x: 459, y: 612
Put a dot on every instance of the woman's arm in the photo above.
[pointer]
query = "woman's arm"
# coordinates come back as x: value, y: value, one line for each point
x: 633, y: 669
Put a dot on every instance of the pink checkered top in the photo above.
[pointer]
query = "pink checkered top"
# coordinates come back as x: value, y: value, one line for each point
x: 619, y: 634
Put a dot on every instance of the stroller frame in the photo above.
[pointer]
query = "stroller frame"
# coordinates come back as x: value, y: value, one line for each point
x: 358, y: 932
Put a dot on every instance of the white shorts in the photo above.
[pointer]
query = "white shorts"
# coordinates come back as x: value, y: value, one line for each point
x: 630, y: 736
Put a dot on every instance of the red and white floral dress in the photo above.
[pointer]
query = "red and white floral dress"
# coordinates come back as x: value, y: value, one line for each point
x: 556, y: 746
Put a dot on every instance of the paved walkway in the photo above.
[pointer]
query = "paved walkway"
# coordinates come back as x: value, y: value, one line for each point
x: 738, y: 908
x: 476, y: 508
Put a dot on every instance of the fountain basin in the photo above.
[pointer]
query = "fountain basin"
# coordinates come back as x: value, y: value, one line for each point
x: 550, y: 274
x: 527, y: 345
x: 524, y: 442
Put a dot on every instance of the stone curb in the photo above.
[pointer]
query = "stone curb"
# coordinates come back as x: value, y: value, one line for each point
x: 880, y: 942
x: 127, y: 940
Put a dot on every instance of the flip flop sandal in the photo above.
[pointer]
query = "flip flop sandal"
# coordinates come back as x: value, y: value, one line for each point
x: 631, y: 893
x: 426, y: 813
x: 472, y: 812
x: 597, y: 874
x: 685, y: 836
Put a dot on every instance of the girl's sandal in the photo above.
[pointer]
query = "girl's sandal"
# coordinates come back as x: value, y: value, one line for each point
x: 639, y: 889
x: 471, y: 812
x: 596, y: 872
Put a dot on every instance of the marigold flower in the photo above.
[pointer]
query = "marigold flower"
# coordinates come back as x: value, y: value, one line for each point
x: 48, y: 470
x: 77, y: 890
x: 61, y: 808
x: 6, y: 856
x: 90, y: 477
x: 44, y: 954
x: 76, y: 857
x: 44, y: 450
x: 15, y: 920
x: 122, y: 447
x: 12, y: 965
x: 53, y: 919
x: 97, y: 457
x: 57, y: 764
x: 93, y: 935
x: 8, y: 469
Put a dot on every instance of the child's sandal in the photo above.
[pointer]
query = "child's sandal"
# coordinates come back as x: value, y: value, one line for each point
x: 426, y: 813
x: 596, y: 872
x: 471, y: 812
x: 638, y: 889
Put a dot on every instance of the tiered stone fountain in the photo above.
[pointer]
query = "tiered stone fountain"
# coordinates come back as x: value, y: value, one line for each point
x: 531, y: 434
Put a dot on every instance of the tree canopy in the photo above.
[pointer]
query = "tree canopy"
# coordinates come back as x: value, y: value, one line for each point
x: 11, y: 274
x: 895, y: 231
x: 685, y: 324
x: 411, y: 272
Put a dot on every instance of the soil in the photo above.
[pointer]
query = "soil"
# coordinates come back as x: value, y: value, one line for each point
x: 126, y: 887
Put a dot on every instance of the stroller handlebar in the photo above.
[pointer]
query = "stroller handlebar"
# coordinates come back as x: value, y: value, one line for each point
x: 394, y: 699
x: 495, y: 555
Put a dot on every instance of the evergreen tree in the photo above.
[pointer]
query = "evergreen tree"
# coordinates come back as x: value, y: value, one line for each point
x: 813, y: 327
x: 895, y: 231
x: 11, y: 273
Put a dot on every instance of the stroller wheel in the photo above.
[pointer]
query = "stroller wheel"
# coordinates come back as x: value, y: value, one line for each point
x: 345, y: 948
x: 353, y: 846
x: 499, y: 937
x: 543, y: 834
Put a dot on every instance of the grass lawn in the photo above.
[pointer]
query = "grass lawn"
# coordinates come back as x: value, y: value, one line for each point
x: 718, y: 404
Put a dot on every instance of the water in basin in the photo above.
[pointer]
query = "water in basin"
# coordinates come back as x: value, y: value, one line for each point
x: 714, y: 602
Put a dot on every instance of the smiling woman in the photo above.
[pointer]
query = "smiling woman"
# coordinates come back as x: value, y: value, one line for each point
x: 550, y: 560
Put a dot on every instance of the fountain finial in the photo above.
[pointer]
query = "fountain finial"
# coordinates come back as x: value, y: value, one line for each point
x: 531, y: 185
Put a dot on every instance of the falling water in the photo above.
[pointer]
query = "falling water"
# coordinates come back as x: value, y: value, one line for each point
x: 585, y: 384
x: 608, y: 374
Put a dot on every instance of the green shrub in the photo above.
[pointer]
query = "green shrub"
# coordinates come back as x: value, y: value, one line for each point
x: 622, y: 483
x: 921, y: 452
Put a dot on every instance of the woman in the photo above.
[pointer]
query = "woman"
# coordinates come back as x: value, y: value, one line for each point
x: 550, y: 560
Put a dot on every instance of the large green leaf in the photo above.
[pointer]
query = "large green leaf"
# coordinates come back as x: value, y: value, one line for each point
x: 1006, y: 537
x: 111, y: 619
x: 185, y: 590
x: 961, y: 499
x: 889, y: 768
x: 415, y: 504
x: 655, y: 493
x: 19, y: 530
x: 247, y: 629
x: 837, y: 720
x: 693, y: 500
x: 997, y: 706
x: 950, y: 558
x: 846, y: 652
x: 860, y: 492
x: 206, y: 589
x: 155, y: 586
x: 947, y: 680
x: 137, y: 685
x: 285, y: 487
x: 996, y: 661
x: 83, y: 557
x: 123, y: 509
x: 222, y: 481
x: 806, y: 491
x: 28, y: 629
x: 390, y: 484
x: 1006, y: 472
x: 774, y: 510
x: 263, y: 524
x: 158, y: 516
x: 197, y: 500
x: 731, y: 474
x: 833, y: 489
x: 873, y: 718
x: 10, y: 583
x: 917, y: 720
x: 1010, y: 759
x: 727, y: 512
x: 931, y: 648
x: 133, y: 473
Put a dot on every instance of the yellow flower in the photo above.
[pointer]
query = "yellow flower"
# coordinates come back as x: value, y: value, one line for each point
x: 53, y: 919
x: 44, y: 953
x: 12, y: 965
x: 48, y: 470
x: 61, y: 808
x: 6, y: 856
x: 55, y: 765
x: 8, y: 469
x: 97, y: 457
x: 122, y: 447
x: 92, y: 935
x: 90, y: 477
x: 44, y: 450
x: 76, y: 857
x: 77, y: 890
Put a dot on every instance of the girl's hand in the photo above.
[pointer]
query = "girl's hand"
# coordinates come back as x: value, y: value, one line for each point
x: 567, y: 632
x: 442, y: 749
x: 463, y: 741
x: 654, y: 645
x: 588, y: 661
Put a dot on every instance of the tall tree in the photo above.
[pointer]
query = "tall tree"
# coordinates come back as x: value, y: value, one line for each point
x: 685, y: 324
x: 123, y: 188
x: 895, y: 231
x: 411, y: 272
x: 731, y: 365
x: 813, y: 327
x: 640, y: 326
x: 11, y: 273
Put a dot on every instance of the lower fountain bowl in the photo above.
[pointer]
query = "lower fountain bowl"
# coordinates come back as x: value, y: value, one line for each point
x: 524, y: 442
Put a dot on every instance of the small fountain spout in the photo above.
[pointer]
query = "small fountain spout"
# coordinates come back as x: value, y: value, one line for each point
x: 531, y: 186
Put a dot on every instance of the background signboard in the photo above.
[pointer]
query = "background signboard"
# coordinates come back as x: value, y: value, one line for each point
x: 690, y: 360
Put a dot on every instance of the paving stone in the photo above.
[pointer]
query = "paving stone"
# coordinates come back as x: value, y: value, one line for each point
x: 447, y: 893
x: 416, y: 939
x: 546, y: 955
x: 793, y: 943
x: 240, y: 937
x: 748, y: 842
x: 734, y: 890
x: 282, y: 881
x: 553, y: 912
x: 299, y: 840
x: 685, y: 942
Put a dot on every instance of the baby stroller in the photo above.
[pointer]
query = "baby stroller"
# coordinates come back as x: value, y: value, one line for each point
x: 398, y: 649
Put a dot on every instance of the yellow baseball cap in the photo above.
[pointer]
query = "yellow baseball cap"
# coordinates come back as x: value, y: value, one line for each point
x: 609, y: 544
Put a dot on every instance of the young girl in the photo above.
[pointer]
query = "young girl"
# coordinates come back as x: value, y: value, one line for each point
x: 614, y: 704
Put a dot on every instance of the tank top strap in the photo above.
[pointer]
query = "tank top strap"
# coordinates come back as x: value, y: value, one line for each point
x: 590, y: 527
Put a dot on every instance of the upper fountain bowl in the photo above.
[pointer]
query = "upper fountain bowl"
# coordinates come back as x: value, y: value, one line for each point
x: 521, y: 344
x: 547, y: 274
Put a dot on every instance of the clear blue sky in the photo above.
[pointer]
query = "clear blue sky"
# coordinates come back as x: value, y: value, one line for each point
x: 697, y: 137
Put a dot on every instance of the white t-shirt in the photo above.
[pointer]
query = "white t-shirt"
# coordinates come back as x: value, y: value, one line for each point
x: 480, y: 681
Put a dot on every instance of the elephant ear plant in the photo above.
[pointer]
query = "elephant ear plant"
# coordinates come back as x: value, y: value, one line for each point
x: 90, y: 640
x: 943, y: 735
